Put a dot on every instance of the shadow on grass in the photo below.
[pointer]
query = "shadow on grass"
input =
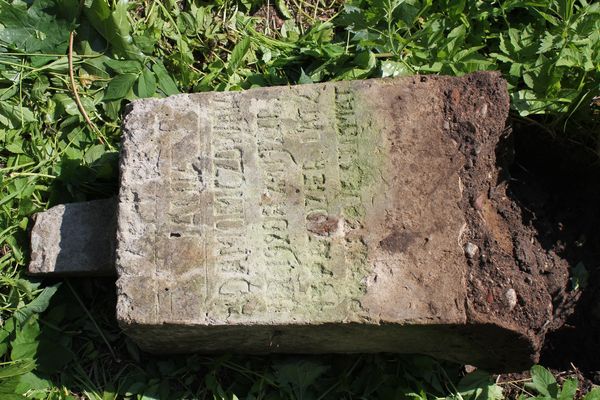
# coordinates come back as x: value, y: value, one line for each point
x: 80, y: 182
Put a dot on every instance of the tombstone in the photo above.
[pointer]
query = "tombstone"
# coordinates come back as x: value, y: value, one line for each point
x: 346, y: 217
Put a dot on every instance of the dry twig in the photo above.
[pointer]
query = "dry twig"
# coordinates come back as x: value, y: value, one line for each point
x: 76, y: 94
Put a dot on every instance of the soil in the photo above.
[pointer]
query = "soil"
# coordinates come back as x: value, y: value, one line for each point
x: 557, y: 184
x: 542, y: 217
x: 517, y: 279
x: 534, y: 222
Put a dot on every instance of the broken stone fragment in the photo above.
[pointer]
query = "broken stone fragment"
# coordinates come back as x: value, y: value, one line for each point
x: 325, y: 218
x: 511, y: 298
x: 75, y: 239
x: 471, y: 250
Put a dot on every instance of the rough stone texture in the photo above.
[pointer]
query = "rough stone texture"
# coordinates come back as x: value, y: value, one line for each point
x: 321, y: 218
x: 75, y: 239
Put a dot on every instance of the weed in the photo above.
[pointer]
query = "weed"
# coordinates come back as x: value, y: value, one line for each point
x: 543, y: 386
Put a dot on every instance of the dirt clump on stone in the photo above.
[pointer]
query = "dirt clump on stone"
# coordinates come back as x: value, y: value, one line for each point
x: 513, y: 280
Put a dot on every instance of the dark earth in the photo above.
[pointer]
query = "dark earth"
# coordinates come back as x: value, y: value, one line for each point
x: 513, y: 276
x: 550, y: 185
x: 557, y: 182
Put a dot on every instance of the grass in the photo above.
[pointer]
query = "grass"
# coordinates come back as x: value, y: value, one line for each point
x: 60, y: 108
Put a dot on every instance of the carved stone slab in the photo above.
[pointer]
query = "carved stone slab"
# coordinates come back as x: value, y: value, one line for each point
x: 366, y: 216
x: 315, y: 218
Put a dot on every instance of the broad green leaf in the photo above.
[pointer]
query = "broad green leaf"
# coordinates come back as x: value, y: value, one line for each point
x: 298, y: 375
x: 124, y: 66
x: 516, y: 70
x: 26, y: 341
x: 15, y: 115
x: 283, y: 9
x: 26, y: 287
x: 354, y: 73
x: 394, y: 69
x: 526, y: 102
x: 66, y: 104
x: 5, y: 333
x: 8, y: 388
x: 565, y: 8
x: 94, y: 153
x: 152, y: 393
x: 164, y: 80
x: 113, y: 25
x: 96, y: 67
x: 40, y: 86
x: 459, y: 55
x: 365, y: 59
x: 503, y: 45
x: 515, y: 39
x: 146, y: 84
x: 36, y: 306
x: 68, y: 9
x: 15, y: 147
x: 543, y: 382
x: 52, y: 353
x: 118, y: 88
x: 145, y: 43
x: 304, y: 79
x: 135, y: 388
x: 546, y: 43
x: 30, y: 381
x: 16, y: 368
x: 32, y: 29
x: 569, y: 389
x: 7, y: 93
x: 479, y: 385
x: 238, y: 53
x: 529, y: 80
x: 593, y: 394
x: 548, y: 17
x: 456, y: 7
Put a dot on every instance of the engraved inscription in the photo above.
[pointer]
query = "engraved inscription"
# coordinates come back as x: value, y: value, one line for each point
x: 230, y: 250
x: 186, y: 182
x: 265, y: 203
x: 180, y: 242
x: 277, y: 172
x: 352, y: 178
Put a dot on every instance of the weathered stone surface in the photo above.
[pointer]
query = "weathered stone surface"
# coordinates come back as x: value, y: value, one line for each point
x: 316, y: 218
x: 75, y: 239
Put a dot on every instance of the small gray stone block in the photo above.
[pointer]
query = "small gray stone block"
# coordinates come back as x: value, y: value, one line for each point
x: 75, y: 239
